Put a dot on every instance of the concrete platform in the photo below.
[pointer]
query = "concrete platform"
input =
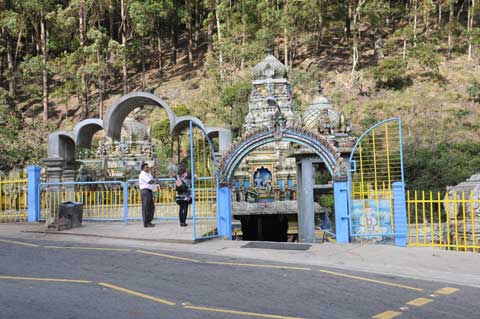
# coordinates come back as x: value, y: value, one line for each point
x: 164, y: 231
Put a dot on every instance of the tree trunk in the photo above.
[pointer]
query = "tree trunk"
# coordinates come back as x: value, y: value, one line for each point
x: 11, y: 69
x: 43, y: 44
x: 439, y: 15
x: 159, y: 50
x: 471, y: 14
x: 123, y: 14
x: 426, y: 25
x: 348, y: 20
x: 285, y: 36
x: 18, y: 47
x: 378, y: 46
x: 320, y: 28
x: 356, y: 31
x: 144, y: 81
x: 82, y: 31
x: 211, y: 24
x: 196, y: 26
x: 189, y: 33
x: 111, y: 21
x: 101, y: 84
x: 450, y: 27
x: 2, y: 66
x: 244, y: 40
x: 415, y: 14
x: 220, y: 57
x: 285, y: 46
x: 173, y: 32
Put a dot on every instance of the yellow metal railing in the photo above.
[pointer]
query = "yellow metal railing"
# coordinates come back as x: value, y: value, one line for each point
x: 108, y: 204
x: 445, y: 221
x: 97, y: 204
x: 164, y: 199
x: 205, y: 208
x: 205, y: 188
x: 13, y: 200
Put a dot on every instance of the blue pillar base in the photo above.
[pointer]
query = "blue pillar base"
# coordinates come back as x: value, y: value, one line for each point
x: 33, y: 193
x: 399, y: 214
x: 340, y: 190
x: 224, y: 212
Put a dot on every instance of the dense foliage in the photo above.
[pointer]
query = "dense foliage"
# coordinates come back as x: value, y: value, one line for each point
x: 62, y: 60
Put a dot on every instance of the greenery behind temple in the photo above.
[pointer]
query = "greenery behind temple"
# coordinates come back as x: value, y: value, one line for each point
x: 64, y: 60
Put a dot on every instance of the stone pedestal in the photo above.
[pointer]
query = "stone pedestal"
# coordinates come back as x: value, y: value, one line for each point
x: 70, y: 175
x: 55, y: 166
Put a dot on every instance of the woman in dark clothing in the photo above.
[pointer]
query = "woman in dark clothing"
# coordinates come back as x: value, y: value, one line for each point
x: 184, y: 197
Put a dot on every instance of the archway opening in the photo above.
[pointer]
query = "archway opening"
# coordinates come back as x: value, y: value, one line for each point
x: 282, y: 200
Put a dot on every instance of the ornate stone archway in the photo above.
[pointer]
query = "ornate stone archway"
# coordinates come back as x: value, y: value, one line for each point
x: 320, y: 145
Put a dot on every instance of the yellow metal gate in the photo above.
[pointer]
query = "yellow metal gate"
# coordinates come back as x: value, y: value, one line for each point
x: 376, y: 163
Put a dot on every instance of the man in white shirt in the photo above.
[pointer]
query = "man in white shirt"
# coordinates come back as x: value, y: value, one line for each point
x: 147, y: 186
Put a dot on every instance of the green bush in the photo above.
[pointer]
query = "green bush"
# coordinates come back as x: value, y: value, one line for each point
x: 427, y: 58
x: 391, y: 73
x: 446, y: 164
x: 327, y: 201
x: 474, y: 91
x: 16, y: 147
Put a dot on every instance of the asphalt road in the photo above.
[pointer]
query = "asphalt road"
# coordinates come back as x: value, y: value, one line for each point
x: 46, y: 280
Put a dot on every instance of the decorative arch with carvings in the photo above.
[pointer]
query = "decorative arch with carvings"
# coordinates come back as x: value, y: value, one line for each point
x: 319, y: 144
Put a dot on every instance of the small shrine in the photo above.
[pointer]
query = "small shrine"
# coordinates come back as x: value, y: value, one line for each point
x: 269, y: 172
x: 121, y: 160
x: 266, y: 178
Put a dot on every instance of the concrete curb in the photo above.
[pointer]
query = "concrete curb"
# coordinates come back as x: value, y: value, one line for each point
x: 166, y: 240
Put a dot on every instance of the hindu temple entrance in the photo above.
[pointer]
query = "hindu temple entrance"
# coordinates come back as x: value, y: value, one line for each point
x: 268, y: 225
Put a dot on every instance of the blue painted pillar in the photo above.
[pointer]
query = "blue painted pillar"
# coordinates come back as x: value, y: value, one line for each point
x: 192, y: 180
x: 33, y: 193
x: 125, y: 201
x: 224, y: 212
x: 340, y: 190
x: 399, y: 214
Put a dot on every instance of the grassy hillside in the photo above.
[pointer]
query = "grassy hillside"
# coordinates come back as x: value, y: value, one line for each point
x: 434, y: 111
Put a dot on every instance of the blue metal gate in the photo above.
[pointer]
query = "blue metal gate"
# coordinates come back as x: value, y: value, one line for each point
x: 376, y: 171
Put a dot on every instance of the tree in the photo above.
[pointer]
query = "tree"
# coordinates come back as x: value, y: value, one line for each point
x: 12, y: 26
x: 357, y: 5
x: 123, y: 15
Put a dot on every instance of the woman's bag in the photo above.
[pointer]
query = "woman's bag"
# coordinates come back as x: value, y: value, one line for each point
x: 181, y: 199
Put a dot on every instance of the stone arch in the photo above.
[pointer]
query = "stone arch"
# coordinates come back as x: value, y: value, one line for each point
x: 317, y: 143
x: 61, y: 144
x: 183, y: 123
x: 224, y: 138
x: 116, y: 114
x: 85, y: 130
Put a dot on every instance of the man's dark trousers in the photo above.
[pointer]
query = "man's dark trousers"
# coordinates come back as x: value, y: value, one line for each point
x: 148, y: 208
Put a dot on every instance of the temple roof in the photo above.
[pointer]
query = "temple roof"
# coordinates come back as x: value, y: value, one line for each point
x: 270, y: 67
x: 319, y: 112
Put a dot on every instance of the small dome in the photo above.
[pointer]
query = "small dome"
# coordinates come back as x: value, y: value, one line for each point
x: 320, y: 113
x: 269, y: 68
x: 315, y: 119
x: 320, y: 101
